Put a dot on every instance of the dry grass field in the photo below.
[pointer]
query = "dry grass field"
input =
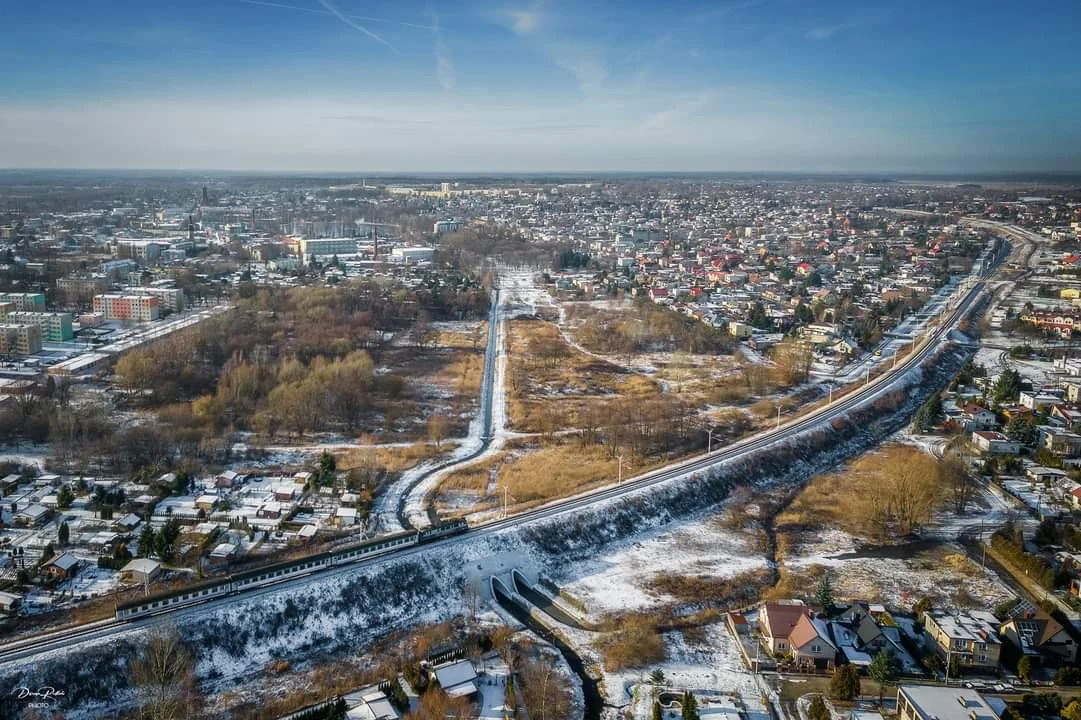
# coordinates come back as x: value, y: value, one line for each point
x: 392, y: 460
x: 553, y: 387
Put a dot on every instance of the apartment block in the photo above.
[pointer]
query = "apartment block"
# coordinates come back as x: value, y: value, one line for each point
x: 82, y: 288
x: 139, y: 308
x: 171, y: 298
x: 25, y: 302
x: 55, y: 327
x: 19, y: 339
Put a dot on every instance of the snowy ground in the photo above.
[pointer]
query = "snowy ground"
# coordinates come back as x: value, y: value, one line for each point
x: 619, y: 579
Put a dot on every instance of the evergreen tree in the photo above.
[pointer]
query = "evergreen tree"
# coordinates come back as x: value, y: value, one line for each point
x: 1024, y: 669
x: 884, y: 669
x: 818, y: 710
x: 824, y: 593
x: 1022, y: 430
x: 63, y: 534
x: 64, y: 498
x: 1007, y: 387
x: 690, y: 706
x: 147, y: 540
x: 845, y: 682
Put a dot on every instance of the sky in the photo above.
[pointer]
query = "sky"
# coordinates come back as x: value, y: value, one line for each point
x: 542, y: 85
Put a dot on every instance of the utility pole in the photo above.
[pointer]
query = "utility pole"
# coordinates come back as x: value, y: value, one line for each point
x: 709, y: 442
x: 620, y: 480
x: 778, y: 414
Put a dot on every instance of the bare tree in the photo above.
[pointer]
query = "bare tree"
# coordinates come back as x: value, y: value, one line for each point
x: 437, y: 429
x: 164, y: 676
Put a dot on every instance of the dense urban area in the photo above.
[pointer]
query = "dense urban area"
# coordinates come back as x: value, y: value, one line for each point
x: 612, y: 446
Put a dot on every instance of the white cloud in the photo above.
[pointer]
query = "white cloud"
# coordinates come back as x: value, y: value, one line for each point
x: 524, y: 22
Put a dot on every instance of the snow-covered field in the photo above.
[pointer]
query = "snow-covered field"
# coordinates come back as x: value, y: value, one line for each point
x: 619, y: 579
x: 902, y: 578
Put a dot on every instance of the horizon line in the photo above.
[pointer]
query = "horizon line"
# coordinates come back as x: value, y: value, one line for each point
x: 527, y: 173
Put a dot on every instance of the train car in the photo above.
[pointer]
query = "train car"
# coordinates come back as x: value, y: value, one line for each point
x: 451, y: 527
x: 276, y: 572
x: 165, y: 601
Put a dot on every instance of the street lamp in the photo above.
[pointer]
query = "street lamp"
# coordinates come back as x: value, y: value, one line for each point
x: 709, y: 442
x: 620, y: 480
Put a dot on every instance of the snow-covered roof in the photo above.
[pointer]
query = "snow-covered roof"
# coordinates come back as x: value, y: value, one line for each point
x: 458, y: 679
x: 65, y: 562
x: 145, y: 566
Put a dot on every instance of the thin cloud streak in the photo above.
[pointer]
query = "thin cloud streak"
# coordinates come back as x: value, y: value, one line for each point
x: 356, y: 26
x: 444, y: 64
x: 317, y: 11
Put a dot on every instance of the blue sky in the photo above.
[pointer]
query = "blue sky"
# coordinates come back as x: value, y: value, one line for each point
x: 542, y: 85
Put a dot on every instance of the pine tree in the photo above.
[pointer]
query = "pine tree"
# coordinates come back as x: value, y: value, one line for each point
x: 817, y: 709
x: 824, y: 593
x: 147, y: 541
x: 883, y: 669
x: 690, y: 706
x: 63, y: 534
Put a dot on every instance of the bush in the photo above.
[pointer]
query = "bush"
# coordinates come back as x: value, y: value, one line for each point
x: 845, y: 683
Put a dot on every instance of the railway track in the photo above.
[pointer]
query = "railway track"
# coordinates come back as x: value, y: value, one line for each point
x: 27, y: 647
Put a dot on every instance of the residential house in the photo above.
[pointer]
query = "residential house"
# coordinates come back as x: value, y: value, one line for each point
x: 968, y: 638
x: 991, y: 442
x: 229, y: 479
x: 1041, y: 637
x: 374, y: 705
x: 62, y: 567
x: 345, y: 517
x: 1045, y: 475
x: 776, y: 620
x: 141, y: 570
x: 1070, y: 417
x: 32, y: 515
x: 128, y: 523
x: 974, y: 417
x: 810, y: 643
x: 1062, y: 443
